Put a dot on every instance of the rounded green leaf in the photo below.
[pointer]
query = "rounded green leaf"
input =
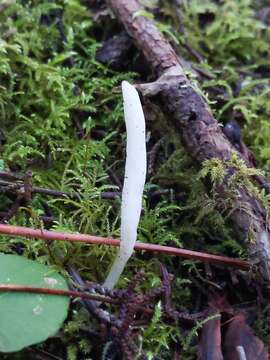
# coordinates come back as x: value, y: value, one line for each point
x: 25, y: 318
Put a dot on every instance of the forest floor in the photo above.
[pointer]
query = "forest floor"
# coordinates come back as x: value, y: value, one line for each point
x: 62, y: 127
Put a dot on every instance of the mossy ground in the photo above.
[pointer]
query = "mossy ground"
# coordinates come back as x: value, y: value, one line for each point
x: 61, y: 117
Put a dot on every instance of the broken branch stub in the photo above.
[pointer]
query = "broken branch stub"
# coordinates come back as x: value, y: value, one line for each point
x: 192, y: 119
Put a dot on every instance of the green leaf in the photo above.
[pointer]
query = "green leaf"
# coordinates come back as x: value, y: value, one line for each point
x: 26, y: 318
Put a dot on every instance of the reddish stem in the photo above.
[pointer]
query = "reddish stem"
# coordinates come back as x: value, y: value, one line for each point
x: 57, y: 292
x: 90, y: 239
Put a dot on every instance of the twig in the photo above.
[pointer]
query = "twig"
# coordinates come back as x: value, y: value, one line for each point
x: 176, y: 7
x: 90, y: 305
x: 57, y: 292
x: 9, y: 186
x: 114, y: 178
x: 14, y: 207
x: 59, y: 236
x: 152, y: 155
x: 43, y: 355
x: 10, y: 176
x: 28, y: 188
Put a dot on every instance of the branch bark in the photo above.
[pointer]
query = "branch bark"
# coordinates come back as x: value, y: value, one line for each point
x: 192, y: 119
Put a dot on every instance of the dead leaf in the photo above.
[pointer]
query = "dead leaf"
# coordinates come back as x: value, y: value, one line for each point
x: 210, y: 341
x: 240, y: 334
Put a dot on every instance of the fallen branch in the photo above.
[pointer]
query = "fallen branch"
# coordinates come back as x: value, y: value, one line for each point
x: 89, y: 239
x: 200, y: 132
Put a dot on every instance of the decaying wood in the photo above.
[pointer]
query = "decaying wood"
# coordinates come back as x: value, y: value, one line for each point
x: 115, y: 51
x: 192, y: 119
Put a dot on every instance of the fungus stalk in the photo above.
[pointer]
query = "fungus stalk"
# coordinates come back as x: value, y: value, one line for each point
x: 135, y: 174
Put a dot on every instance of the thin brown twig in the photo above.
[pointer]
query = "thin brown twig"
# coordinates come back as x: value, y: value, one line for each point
x: 28, y: 188
x: 90, y: 239
x: 14, y: 208
x: 56, y: 292
x: 152, y: 155
x: 10, y: 186
x: 43, y: 355
x: 11, y: 176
